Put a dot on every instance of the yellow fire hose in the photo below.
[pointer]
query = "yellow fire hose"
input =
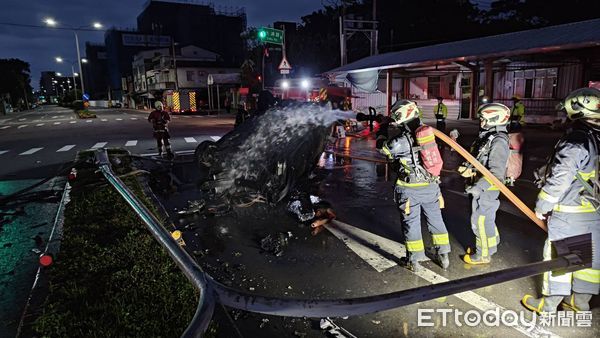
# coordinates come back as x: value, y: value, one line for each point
x: 503, y: 189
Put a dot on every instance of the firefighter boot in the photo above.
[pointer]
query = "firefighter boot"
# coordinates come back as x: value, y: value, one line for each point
x: 542, y: 304
x: 169, y: 152
x: 443, y: 260
x: 577, y: 302
x: 475, y: 258
x: 412, y: 265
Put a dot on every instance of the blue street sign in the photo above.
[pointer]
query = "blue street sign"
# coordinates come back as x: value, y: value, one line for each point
x: 86, y: 97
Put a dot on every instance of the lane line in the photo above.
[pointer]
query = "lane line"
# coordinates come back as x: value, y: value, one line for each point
x: 66, y: 148
x: 131, y: 143
x: 55, y: 116
x: 73, y: 122
x: 99, y: 145
x: 104, y: 120
x: 23, y: 119
x: 31, y: 151
x: 469, y: 297
x: 119, y: 119
x: 190, y: 140
x: 215, y: 138
x: 56, y: 123
x: 88, y: 121
x: 39, y: 124
x: 4, y: 127
x: 22, y: 126
x: 133, y: 118
x: 183, y: 152
x: 4, y: 151
x: 187, y: 117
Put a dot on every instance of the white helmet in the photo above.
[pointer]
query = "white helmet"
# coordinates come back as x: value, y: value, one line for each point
x: 404, y: 111
x: 493, y: 114
x: 582, y: 103
x: 158, y: 105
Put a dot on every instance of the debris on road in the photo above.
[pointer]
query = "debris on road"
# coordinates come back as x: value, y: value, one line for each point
x: 334, y: 330
x: 274, y: 243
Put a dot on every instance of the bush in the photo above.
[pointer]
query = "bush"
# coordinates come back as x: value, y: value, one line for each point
x: 111, y: 278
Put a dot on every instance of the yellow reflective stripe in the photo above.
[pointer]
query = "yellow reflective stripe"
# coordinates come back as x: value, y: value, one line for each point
x: 440, y: 239
x: 544, y: 196
x: 492, y: 242
x: 386, y: 151
x: 492, y: 186
x: 585, y: 208
x: 407, y: 207
x: 483, y: 236
x: 442, y: 202
x: 414, y: 246
x: 587, y: 176
x: 588, y: 275
x: 426, y: 139
x: 547, y: 257
x: 405, y: 184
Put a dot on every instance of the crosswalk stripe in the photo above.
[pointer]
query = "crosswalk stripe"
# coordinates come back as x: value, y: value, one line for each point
x: 99, y: 145
x: 55, y: 116
x: 66, y: 148
x: 133, y: 118
x: 56, y: 123
x: 73, y: 122
x: 31, y: 151
x: 190, y: 140
x: 3, y: 152
x: 215, y: 138
x: 119, y: 119
x: 4, y: 127
x: 23, y: 119
x: 187, y: 117
x: 22, y: 126
x: 39, y: 124
x: 131, y: 143
x: 88, y: 121
x: 104, y: 120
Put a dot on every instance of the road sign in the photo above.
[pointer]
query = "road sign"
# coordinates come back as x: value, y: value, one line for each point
x: 271, y: 35
x: 284, y: 65
x: 86, y: 97
x: 284, y: 71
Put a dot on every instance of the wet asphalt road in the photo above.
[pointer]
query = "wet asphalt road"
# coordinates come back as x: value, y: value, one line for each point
x: 323, y: 266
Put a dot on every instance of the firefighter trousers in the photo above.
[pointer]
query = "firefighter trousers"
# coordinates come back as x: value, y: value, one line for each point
x: 562, y: 225
x: 411, y: 201
x: 483, y: 222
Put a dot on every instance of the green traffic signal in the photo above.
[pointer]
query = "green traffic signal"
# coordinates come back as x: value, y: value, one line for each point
x: 262, y: 34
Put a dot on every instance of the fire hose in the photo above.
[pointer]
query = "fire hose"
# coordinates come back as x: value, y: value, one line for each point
x: 487, y: 174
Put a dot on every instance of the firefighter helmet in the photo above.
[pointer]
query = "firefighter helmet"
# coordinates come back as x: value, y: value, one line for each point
x: 404, y: 111
x: 493, y: 114
x: 582, y: 103
x: 158, y: 105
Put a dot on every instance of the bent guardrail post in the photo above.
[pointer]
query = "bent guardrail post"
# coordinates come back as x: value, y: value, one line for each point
x: 190, y: 268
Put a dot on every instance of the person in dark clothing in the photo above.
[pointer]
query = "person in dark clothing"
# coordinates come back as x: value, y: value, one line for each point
x: 159, y: 119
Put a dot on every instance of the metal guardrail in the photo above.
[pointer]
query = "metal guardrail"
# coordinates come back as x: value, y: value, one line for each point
x: 575, y: 254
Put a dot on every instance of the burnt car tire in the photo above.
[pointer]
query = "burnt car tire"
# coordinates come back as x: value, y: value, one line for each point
x: 204, y: 154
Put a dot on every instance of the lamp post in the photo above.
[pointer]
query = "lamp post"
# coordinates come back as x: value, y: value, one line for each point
x: 61, y: 60
x: 96, y: 25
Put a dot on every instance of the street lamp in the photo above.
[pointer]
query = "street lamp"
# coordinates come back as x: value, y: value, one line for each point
x: 96, y: 25
x: 84, y: 60
x: 58, y: 59
x: 58, y: 74
x: 61, y: 60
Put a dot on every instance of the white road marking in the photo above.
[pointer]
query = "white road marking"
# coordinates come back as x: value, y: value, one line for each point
x: 56, y: 123
x: 133, y: 118
x: 390, y: 247
x: 215, y: 138
x: 190, y: 140
x: 73, y: 122
x: 22, y: 126
x: 103, y: 120
x: 175, y: 117
x: 131, y: 143
x: 4, y: 127
x: 66, y: 148
x: 187, y: 117
x: 39, y: 124
x: 23, y: 119
x: 55, y: 116
x: 99, y: 145
x: 3, y: 151
x: 31, y: 151
x: 88, y: 121
x: 119, y: 119
x: 183, y: 152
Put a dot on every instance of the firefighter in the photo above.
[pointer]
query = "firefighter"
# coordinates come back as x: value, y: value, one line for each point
x: 573, y: 208
x: 491, y: 150
x: 159, y: 119
x: 517, y: 113
x: 416, y: 189
x: 441, y: 113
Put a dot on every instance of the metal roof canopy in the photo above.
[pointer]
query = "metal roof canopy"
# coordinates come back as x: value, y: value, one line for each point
x: 542, y: 40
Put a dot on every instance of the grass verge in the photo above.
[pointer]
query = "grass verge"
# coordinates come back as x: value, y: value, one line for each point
x: 84, y: 114
x: 111, y: 278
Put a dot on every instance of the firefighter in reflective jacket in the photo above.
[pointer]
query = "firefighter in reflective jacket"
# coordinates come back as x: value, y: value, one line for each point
x: 441, y: 113
x: 517, y: 113
x: 573, y: 207
x: 159, y: 119
x: 416, y: 189
x: 491, y: 150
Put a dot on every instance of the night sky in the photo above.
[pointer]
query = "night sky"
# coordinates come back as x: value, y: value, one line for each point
x: 39, y: 46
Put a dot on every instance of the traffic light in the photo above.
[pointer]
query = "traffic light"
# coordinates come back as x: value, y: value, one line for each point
x: 262, y: 34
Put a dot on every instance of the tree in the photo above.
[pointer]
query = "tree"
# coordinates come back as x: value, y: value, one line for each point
x: 15, y: 80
